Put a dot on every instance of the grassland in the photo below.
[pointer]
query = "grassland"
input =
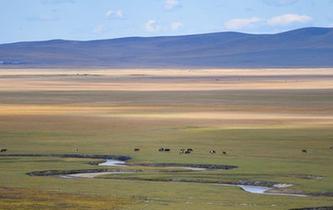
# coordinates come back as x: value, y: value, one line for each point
x: 262, y: 118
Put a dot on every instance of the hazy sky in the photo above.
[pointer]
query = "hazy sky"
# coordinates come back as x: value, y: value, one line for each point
x: 23, y: 20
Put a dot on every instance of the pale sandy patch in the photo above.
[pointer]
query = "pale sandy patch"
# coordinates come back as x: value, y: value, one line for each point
x: 173, y: 72
x: 152, y: 112
x: 152, y: 79
x: 165, y: 86
x: 227, y: 115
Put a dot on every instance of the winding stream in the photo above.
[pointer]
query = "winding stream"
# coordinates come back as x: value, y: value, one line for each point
x: 247, y: 188
x: 254, y: 189
x: 92, y: 174
x: 112, y: 162
x: 120, y: 161
x: 117, y: 161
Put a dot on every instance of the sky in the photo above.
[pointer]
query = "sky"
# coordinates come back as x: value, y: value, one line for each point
x: 32, y: 20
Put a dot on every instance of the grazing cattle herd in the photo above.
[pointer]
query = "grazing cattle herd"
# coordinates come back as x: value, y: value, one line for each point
x: 181, y: 151
x: 186, y: 151
x: 162, y: 149
x: 190, y: 150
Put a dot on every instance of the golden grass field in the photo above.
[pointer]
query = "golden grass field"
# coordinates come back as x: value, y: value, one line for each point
x: 165, y: 80
x: 263, y: 118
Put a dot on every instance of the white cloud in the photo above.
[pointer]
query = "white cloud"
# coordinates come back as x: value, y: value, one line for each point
x: 287, y: 19
x: 176, y: 25
x: 281, y: 20
x: 239, y: 23
x: 170, y: 4
x: 99, y: 29
x: 151, y: 26
x: 114, y: 13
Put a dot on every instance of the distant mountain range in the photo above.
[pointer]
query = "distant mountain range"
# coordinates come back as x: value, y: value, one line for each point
x: 307, y: 47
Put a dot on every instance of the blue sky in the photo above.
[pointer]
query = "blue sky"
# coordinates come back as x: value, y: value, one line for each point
x: 26, y: 20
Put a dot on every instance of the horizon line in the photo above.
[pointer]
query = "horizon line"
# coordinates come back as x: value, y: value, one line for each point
x: 183, y: 35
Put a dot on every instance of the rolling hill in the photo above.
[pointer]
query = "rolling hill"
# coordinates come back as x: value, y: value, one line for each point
x: 307, y: 47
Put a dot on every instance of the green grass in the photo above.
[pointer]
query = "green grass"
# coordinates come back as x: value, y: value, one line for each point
x: 20, y: 198
x: 266, y: 154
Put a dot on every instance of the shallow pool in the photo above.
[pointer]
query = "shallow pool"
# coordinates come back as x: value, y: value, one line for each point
x: 112, y: 162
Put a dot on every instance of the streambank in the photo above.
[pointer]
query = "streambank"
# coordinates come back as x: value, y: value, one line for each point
x: 272, y: 190
x: 87, y: 156
x: 315, y: 208
x: 187, y: 166
x: 78, y: 171
x: 118, y: 161
x: 93, y: 175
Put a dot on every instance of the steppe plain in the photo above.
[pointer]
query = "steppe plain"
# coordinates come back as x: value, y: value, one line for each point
x: 276, y: 125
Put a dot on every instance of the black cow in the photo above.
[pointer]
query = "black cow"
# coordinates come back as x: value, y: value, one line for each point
x: 304, y: 151
x: 136, y: 149
x: 188, y: 151
x: 162, y: 149
x: 212, y: 151
x: 224, y: 152
x: 3, y: 150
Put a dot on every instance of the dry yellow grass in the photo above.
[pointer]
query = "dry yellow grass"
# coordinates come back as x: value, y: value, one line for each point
x: 222, y: 118
x: 172, y: 72
x: 188, y: 86
x: 157, y: 80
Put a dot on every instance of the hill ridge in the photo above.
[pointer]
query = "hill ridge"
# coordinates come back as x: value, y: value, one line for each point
x: 305, y: 47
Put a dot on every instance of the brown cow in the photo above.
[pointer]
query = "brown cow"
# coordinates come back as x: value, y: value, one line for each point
x: 188, y: 151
